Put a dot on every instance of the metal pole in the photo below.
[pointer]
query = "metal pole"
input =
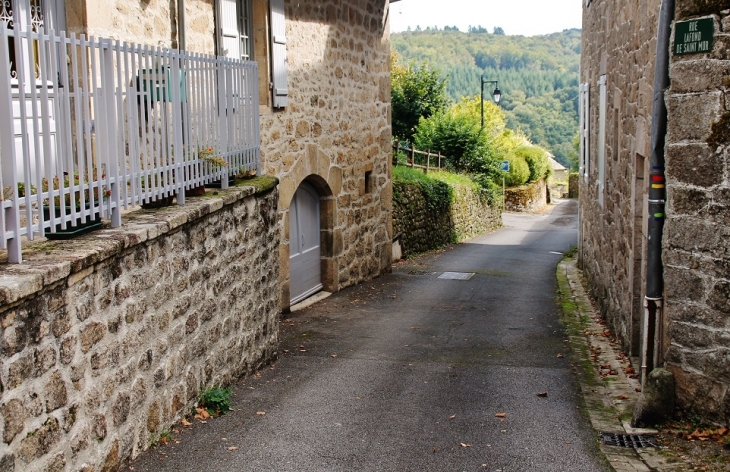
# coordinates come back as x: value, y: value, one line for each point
x: 482, y: 95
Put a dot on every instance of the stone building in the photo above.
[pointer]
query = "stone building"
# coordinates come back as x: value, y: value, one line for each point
x: 324, y: 90
x: 691, y: 338
x: 106, y: 341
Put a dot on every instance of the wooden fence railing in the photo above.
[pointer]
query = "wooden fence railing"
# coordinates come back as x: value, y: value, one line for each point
x: 429, y: 160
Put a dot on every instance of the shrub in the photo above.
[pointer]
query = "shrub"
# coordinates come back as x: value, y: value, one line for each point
x: 519, y: 171
x: 536, y: 159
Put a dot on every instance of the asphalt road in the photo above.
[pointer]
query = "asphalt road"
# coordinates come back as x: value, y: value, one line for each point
x: 408, y: 372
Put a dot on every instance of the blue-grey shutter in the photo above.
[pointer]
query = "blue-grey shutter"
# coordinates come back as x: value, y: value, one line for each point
x: 278, y: 53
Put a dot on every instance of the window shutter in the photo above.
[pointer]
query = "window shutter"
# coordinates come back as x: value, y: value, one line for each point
x: 602, y: 111
x: 229, y: 36
x: 584, y: 129
x: 278, y: 53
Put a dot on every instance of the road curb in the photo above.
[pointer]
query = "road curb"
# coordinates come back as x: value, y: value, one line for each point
x: 606, y: 376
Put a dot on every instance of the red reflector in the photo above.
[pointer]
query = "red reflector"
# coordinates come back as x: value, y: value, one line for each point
x: 657, y: 178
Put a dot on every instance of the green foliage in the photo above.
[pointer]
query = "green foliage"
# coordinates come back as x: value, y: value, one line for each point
x: 536, y: 159
x: 416, y: 92
x: 437, y: 194
x: 519, y: 171
x: 216, y: 400
x: 538, y: 76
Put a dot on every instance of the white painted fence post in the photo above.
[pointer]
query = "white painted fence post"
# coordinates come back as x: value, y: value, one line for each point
x: 10, y: 218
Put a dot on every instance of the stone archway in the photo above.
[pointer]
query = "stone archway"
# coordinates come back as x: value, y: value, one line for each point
x: 316, y: 170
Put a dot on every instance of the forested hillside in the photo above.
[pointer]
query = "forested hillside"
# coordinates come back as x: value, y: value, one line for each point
x: 538, y: 76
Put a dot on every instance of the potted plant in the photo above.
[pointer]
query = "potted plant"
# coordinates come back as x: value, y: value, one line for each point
x: 72, y: 202
x: 207, y: 154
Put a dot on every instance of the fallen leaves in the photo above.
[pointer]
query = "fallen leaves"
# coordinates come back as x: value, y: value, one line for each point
x: 260, y: 413
x: 452, y: 417
x: 465, y: 445
x: 201, y: 414
x: 232, y: 448
x: 501, y: 415
x: 542, y: 394
x: 186, y: 422
x: 560, y: 355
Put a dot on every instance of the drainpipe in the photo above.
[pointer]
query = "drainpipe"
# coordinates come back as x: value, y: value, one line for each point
x: 654, y: 300
x: 181, y: 25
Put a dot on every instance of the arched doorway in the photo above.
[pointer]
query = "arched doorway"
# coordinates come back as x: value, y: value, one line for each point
x: 304, y: 244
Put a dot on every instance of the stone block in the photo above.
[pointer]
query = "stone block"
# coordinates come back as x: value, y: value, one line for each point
x: 698, y: 75
x: 694, y: 164
x: 55, y: 392
x: 13, y: 413
x: 691, y: 116
x: 39, y: 442
x: 92, y: 334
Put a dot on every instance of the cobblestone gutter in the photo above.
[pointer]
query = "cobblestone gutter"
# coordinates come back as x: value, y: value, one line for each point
x: 605, y: 376
x: 107, y: 339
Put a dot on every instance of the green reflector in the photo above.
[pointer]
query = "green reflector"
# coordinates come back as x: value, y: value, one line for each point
x: 658, y: 215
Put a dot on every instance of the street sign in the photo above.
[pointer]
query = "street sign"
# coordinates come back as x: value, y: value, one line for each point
x: 504, y: 166
x: 695, y: 36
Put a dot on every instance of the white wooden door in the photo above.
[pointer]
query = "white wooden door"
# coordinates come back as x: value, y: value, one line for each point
x: 304, y: 252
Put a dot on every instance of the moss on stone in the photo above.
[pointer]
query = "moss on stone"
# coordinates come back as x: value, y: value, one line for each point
x: 262, y: 183
x: 720, y: 135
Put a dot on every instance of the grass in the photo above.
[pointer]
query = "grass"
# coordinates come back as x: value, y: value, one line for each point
x: 408, y: 174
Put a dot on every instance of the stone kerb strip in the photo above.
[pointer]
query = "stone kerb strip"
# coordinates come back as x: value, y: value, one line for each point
x: 108, y: 339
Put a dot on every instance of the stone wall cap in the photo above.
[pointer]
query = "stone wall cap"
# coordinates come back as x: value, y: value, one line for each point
x: 46, y: 262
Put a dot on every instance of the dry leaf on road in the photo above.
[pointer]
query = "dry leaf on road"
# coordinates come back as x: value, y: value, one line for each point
x: 232, y: 448
x: 542, y: 394
x: 465, y: 445
x: 501, y: 415
x: 186, y: 422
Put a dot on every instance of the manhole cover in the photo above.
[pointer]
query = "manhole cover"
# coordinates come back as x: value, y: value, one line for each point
x: 628, y: 440
x: 420, y: 272
x: 456, y: 275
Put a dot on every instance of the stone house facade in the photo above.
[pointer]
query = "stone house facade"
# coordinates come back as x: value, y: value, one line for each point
x: 617, y: 76
x: 327, y: 61
x: 107, y: 340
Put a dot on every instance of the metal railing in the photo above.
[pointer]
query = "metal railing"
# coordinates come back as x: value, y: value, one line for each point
x: 91, y: 126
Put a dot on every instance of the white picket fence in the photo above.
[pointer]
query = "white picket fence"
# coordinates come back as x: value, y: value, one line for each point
x: 91, y: 126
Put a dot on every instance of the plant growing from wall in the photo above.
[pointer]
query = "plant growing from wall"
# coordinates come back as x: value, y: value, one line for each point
x: 216, y: 400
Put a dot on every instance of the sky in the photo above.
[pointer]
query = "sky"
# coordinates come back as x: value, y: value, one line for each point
x: 525, y: 17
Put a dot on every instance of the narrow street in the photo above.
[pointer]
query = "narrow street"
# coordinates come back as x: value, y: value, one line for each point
x: 416, y: 372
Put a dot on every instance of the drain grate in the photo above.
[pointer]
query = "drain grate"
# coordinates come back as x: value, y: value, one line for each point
x: 420, y: 272
x: 456, y: 275
x: 635, y: 441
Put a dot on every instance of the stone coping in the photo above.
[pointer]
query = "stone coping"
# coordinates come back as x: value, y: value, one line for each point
x: 46, y: 262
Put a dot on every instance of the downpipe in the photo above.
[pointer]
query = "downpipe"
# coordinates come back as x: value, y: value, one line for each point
x: 654, y: 299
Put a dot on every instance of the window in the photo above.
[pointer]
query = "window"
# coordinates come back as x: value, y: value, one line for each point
x: 234, y: 29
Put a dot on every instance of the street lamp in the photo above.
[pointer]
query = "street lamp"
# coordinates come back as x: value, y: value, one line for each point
x: 496, y: 95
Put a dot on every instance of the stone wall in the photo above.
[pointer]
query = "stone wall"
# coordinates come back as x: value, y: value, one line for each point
x: 697, y: 230
x: 526, y: 198
x: 107, y: 339
x: 573, y: 185
x: 619, y: 41
x: 336, y: 134
x: 423, y: 229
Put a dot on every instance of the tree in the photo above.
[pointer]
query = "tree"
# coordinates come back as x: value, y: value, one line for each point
x: 457, y: 133
x: 498, y: 30
x: 416, y: 92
